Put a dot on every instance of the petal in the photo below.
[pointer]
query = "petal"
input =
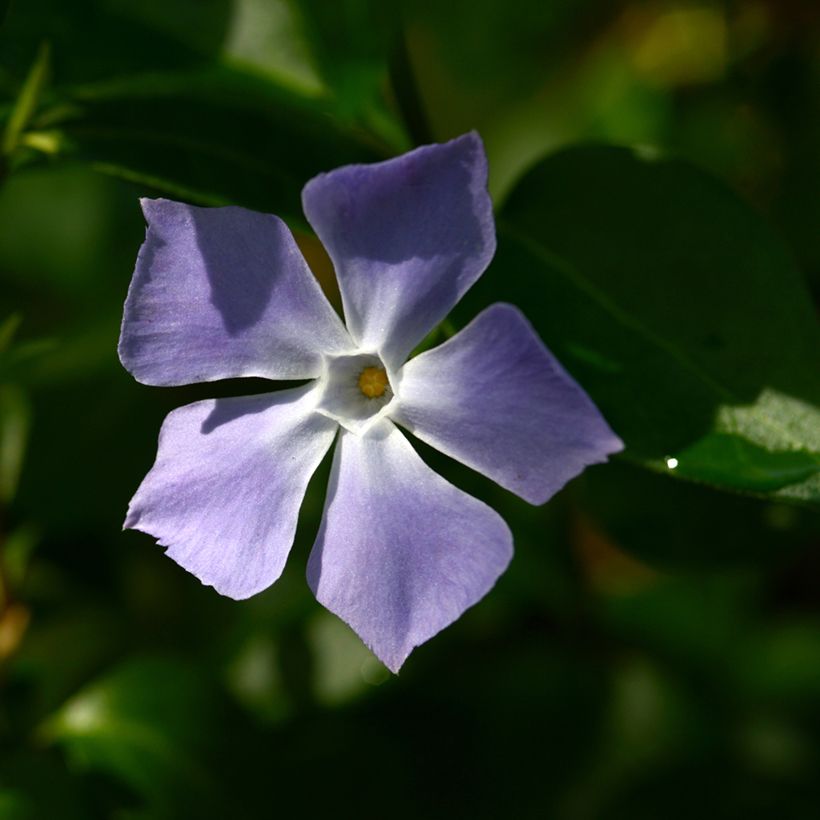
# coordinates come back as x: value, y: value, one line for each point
x: 407, y: 237
x: 225, y: 490
x: 494, y: 398
x: 401, y: 552
x: 221, y: 293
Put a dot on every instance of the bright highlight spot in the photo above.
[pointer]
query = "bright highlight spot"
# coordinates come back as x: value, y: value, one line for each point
x: 671, y: 463
x: 85, y: 713
x: 373, y: 382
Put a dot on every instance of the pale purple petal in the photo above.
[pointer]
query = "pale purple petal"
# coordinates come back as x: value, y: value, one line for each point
x: 222, y: 293
x: 401, y: 552
x: 224, y: 493
x: 497, y: 400
x: 407, y: 237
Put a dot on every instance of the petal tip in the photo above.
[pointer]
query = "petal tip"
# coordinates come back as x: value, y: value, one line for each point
x: 474, y: 140
x: 616, y: 446
x: 150, y: 204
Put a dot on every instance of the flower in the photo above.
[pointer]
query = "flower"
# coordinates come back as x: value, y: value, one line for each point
x: 224, y: 292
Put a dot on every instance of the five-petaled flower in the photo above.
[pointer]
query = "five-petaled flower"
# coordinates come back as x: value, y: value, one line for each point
x: 222, y: 293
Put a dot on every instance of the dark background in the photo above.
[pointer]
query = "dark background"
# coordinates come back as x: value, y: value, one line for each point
x: 654, y: 649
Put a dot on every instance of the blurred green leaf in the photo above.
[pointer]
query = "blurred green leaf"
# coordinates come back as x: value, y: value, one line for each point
x: 267, y: 37
x: 34, y: 785
x: 99, y: 39
x: 17, y: 362
x: 145, y: 724
x: 344, y: 666
x: 14, y: 359
x: 774, y: 746
x: 352, y: 41
x: 14, y: 805
x: 27, y: 99
x: 18, y: 549
x: 678, y: 525
x: 780, y: 662
x: 653, y: 720
x: 93, y: 633
x: 14, y: 428
x: 676, y: 308
x: 690, y: 622
x: 8, y: 327
x: 158, y: 18
x: 214, y: 137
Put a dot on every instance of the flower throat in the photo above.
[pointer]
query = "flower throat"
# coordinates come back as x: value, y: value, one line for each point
x: 373, y: 382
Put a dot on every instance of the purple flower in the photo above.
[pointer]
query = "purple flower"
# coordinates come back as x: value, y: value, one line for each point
x: 224, y: 292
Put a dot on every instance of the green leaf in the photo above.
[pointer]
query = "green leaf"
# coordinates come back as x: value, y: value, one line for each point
x: 35, y: 785
x: 27, y: 99
x: 216, y: 113
x: 95, y: 40
x: 15, y: 416
x: 677, y: 309
x: 146, y: 724
x: 716, y: 458
x: 14, y: 805
x: 780, y: 662
x: 681, y: 526
x: 8, y: 329
x: 351, y: 41
x: 215, y: 137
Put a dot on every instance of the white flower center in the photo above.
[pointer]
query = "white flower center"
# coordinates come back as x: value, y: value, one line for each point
x: 356, y: 390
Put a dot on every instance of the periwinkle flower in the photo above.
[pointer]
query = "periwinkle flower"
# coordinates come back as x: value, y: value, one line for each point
x: 224, y: 292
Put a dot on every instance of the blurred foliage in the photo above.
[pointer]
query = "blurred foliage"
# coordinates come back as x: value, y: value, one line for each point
x: 654, y: 649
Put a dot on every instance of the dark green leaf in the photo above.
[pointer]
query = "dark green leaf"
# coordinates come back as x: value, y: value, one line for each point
x: 352, y: 40
x: 677, y: 525
x: 8, y: 329
x: 98, y: 39
x: 215, y: 137
x: 676, y: 308
x: 732, y: 460
x: 35, y: 785
x: 781, y: 662
x: 15, y: 416
x: 145, y: 724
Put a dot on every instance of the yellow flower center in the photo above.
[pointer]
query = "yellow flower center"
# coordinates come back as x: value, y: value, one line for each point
x: 373, y: 382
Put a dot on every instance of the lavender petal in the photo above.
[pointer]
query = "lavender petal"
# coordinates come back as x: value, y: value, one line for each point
x: 229, y: 478
x: 221, y: 293
x: 407, y: 236
x: 494, y: 398
x: 401, y: 552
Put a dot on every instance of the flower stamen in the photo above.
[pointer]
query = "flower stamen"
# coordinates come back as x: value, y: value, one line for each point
x: 373, y: 382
